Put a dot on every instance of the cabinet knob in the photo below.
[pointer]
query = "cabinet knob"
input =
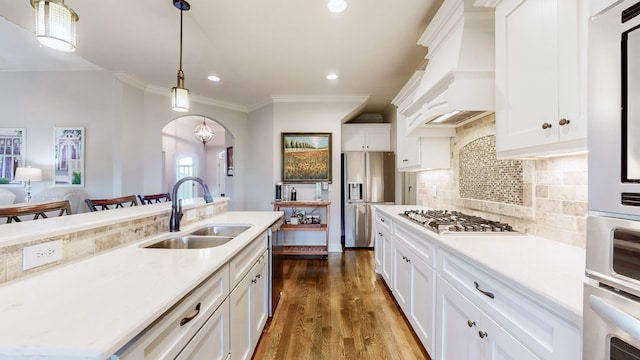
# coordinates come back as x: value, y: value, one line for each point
x: 546, y: 126
x: 482, y: 334
x: 563, y: 122
x: 471, y: 323
x: 408, y: 260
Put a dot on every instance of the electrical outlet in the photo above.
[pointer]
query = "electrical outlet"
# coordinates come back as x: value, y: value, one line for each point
x: 41, y: 254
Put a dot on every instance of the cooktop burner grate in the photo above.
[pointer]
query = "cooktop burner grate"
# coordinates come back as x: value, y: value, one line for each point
x: 455, y: 222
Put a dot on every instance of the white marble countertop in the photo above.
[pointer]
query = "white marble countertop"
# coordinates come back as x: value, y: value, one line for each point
x: 550, y: 271
x: 91, y: 308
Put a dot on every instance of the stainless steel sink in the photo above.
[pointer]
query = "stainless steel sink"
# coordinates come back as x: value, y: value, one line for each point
x: 221, y: 230
x: 190, y: 242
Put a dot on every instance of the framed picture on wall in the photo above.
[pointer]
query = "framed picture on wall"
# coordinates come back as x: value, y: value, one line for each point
x: 12, y: 154
x: 230, y: 161
x: 306, y: 157
x: 68, y: 169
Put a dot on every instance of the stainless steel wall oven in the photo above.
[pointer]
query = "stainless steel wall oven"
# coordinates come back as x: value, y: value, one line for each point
x: 612, y: 286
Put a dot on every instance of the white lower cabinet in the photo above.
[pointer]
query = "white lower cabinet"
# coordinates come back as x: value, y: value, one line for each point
x: 480, y: 315
x: 212, y: 340
x: 414, y: 289
x: 249, y: 303
x: 467, y: 333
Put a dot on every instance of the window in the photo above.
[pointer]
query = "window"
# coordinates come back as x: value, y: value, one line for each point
x: 185, y: 168
x: 11, y: 153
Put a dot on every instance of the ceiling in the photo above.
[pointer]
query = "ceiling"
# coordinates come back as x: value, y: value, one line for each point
x: 259, y: 48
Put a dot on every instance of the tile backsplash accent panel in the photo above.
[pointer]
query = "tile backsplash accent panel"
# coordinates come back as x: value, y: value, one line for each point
x: 483, y: 177
x: 554, y: 202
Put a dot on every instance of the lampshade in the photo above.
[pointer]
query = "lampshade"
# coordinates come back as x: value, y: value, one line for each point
x: 179, y: 94
x: 203, y: 132
x: 337, y: 6
x: 28, y: 173
x: 55, y: 24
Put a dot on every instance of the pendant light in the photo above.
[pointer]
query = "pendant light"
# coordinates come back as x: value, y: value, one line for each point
x: 203, y: 133
x: 55, y: 24
x: 180, y: 95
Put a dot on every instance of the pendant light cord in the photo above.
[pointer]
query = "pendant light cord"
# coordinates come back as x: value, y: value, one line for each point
x: 181, y: 39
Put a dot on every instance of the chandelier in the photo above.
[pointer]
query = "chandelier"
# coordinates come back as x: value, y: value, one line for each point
x: 179, y: 94
x: 203, y: 133
x: 55, y: 24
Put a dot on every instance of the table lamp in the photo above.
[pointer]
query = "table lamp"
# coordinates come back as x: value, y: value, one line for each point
x: 28, y: 174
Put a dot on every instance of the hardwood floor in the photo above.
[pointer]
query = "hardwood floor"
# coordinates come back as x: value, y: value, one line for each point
x: 337, y: 308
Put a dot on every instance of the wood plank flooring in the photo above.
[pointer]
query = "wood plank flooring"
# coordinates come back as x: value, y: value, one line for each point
x: 337, y: 308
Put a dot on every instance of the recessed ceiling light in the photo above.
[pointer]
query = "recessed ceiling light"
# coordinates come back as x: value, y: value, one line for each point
x: 213, y: 78
x: 332, y: 77
x: 337, y: 6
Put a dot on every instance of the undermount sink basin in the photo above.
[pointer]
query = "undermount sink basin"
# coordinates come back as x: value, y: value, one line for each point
x: 221, y: 230
x: 190, y: 242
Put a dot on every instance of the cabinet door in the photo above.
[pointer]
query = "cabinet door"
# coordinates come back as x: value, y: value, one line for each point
x: 378, y: 139
x: 212, y: 340
x: 497, y: 344
x: 539, y: 77
x: 422, y: 302
x: 378, y: 249
x: 401, y: 276
x: 527, y: 73
x: 260, y: 299
x: 457, y: 322
x: 241, y: 308
x: 353, y: 139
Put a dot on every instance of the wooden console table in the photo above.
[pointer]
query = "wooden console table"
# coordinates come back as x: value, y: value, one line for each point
x: 305, y: 249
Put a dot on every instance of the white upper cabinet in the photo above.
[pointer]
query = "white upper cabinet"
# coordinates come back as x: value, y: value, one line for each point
x: 540, y: 77
x: 366, y: 137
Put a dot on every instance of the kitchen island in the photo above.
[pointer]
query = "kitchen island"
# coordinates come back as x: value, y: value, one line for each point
x: 92, y: 307
x: 527, y: 290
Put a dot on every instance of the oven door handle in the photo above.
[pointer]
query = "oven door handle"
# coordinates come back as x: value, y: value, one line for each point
x: 616, y: 317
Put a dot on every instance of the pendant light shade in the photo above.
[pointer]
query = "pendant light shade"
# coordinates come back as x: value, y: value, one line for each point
x: 55, y: 24
x: 180, y: 94
x: 203, y: 132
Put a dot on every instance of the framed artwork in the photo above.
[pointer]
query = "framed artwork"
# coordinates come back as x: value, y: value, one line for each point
x: 69, y: 156
x: 230, y: 161
x: 12, y: 154
x: 306, y: 157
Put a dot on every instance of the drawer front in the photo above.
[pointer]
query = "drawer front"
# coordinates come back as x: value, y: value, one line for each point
x: 531, y: 323
x: 423, y: 246
x: 383, y: 221
x: 172, y: 331
x: 241, y: 263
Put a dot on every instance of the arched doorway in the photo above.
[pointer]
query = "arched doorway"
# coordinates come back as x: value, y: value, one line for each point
x: 184, y: 155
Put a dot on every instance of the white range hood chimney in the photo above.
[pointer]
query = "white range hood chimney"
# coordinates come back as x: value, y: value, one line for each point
x: 458, y: 85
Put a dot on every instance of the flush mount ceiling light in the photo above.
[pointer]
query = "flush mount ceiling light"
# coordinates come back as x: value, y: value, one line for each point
x: 180, y: 95
x: 337, y: 6
x: 55, y: 24
x: 203, y: 132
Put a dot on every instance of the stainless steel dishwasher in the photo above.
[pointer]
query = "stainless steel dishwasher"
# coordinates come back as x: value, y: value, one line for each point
x: 276, y: 256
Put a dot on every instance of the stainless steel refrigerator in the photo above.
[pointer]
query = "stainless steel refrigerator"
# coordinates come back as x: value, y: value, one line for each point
x: 368, y: 179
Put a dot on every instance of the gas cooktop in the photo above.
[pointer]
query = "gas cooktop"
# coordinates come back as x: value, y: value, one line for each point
x: 454, y: 222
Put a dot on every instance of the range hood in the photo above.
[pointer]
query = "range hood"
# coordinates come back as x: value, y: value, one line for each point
x: 458, y: 83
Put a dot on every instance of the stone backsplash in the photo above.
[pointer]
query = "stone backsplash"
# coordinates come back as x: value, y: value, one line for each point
x: 546, y: 197
x: 80, y: 244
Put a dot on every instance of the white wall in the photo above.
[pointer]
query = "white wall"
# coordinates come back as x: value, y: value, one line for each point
x: 313, y: 116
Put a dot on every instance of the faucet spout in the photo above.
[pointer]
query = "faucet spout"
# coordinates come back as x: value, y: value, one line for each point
x: 176, y: 205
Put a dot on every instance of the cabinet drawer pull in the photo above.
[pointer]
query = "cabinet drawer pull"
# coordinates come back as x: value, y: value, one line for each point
x: 258, y: 276
x: 404, y: 257
x: 563, y: 122
x: 546, y: 126
x: 471, y: 323
x: 379, y: 233
x: 189, y: 318
x: 482, y: 334
x: 487, y: 293
x: 382, y: 220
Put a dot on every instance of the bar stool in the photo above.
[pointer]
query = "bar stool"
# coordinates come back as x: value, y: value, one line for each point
x: 154, y: 199
x: 104, y: 204
x: 38, y: 210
